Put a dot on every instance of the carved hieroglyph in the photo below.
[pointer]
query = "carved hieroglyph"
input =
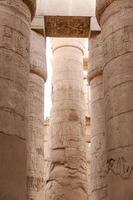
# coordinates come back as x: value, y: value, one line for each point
x: 35, y: 113
x: 68, y: 174
x: 15, y: 18
x: 67, y: 26
x: 98, y: 139
x: 116, y: 20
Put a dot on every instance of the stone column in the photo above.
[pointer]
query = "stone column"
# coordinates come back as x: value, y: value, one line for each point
x: 86, y: 94
x: 87, y: 122
x: 15, y: 19
x: 68, y: 174
x: 46, y: 150
x: 98, y: 139
x: 116, y: 20
x: 35, y: 139
x: 88, y: 154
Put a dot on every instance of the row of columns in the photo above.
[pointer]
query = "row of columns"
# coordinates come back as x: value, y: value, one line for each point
x: 21, y: 125
x: 110, y: 78
x: 22, y: 77
x: 21, y: 111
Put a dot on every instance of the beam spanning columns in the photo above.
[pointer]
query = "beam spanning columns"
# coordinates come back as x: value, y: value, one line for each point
x: 98, y: 138
x: 67, y: 26
x: 68, y: 173
x: 115, y: 18
x: 35, y: 112
x: 15, y: 19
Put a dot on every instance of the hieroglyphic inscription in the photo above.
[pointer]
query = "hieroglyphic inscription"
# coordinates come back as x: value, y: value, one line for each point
x: 14, y: 40
x: 67, y: 26
x: 118, y: 43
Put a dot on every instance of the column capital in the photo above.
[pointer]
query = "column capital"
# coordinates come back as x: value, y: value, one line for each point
x: 20, y: 5
x: 58, y: 43
x: 114, y: 5
x: 32, y: 6
x: 101, y: 5
x: 96, y: 56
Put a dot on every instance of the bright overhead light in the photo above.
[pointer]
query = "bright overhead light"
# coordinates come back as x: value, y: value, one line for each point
x: 66, y: 7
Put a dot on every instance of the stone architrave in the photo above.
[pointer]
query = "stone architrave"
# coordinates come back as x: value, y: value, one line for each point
x: 98, y: 139
x: 68, y: 171
x: 35, y: 113
x: 116, y: 20
x: 15, y: 20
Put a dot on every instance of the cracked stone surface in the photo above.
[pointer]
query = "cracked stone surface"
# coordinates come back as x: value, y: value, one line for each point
x: 117, y: 35
x: 98, y: 139
x: 68, y: 169
x: 35, y: 113
x: 15, y: 19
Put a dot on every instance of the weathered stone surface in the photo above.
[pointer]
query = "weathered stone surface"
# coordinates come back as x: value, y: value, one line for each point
x: 68, y: 170
x: 15, y: 18
x: 101, y: 6
x: 88, y: 145
x: 87, y: 97
x: 96, y: 57
x: 117, y: 34
x: 31, y: 5
x: 88, y: 153
x: 98, y: 139
x: 35, y: 113
x: 67, y: 26
x: 38, y: 55
x: 46, y: 150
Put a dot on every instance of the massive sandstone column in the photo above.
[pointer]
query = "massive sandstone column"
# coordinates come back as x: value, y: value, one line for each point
x: 98, y: 139
x: 46, y: 150
x: 15, y: 18
x: 35, y: 112
x: 87, y: 123
x: 68, y: 174
x: 116, y: 20
x: 88, y: 154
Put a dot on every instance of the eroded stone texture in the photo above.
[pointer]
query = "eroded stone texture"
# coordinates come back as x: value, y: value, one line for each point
x: 35, y: 112
x: 15, y: 18
x: 67, y: 26
x: 117, y: 32
x: 88, y: 153
x: 68, y: 173
x: 98, y: 139
x: 87, y: 95
x: 87, y: 125
x: 46, y: 150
